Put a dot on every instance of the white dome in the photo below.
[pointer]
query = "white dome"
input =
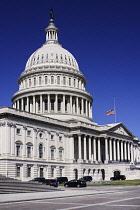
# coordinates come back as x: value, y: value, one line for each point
x: 51, y: 54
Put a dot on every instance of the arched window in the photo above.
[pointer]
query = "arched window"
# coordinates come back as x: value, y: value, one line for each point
x: 58, y: 79
x: 61, y: 153
x: 40, y: 150
x: 29, y: 150
x: 29, y: 82
x: 59, y: 105
x: 64, y: 80
x: 69, y: 81
x: 34, y: 81
x: 74, y: 82
x: 46, y: 79
x: 52, y: 152
x: 52, y: 79
x: 39, y: 80
x: 52, y: 104
x: 18, y: 148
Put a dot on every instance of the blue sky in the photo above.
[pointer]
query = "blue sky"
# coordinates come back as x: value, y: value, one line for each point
x: 103, y: 36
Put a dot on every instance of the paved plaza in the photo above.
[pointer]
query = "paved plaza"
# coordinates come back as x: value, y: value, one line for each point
x: 95, y: 197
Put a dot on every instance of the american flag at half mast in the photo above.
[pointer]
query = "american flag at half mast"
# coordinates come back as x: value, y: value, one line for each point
x: 110, y: 112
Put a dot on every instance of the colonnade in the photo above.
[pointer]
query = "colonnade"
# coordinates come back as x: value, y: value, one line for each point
x: 54, y: 103
x: 103, y: 149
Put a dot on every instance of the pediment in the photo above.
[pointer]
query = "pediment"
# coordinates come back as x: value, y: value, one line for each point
x: 121, y: 129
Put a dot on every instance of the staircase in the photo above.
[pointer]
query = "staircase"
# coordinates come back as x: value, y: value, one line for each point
x: 10, y: 185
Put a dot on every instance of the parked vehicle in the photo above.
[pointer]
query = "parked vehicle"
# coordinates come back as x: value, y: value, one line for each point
x: 87, y: 178
x: 120, y: 177
x: 51, y: 182
x: 61, y: 180
x: 76, y: 183
x: 38, y: 179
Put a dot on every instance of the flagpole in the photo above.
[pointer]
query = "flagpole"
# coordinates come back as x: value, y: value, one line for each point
x: 115, y: 109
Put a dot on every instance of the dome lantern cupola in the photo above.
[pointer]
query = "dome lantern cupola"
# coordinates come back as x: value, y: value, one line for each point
x: 51, y: 30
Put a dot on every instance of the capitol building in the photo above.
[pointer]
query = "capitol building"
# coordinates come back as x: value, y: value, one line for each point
x: 49, y: 131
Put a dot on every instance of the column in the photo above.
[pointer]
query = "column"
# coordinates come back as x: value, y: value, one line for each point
x: 94, y: 149
x: 132, y: 154
x: 24, y: 141
x: 71, y: 108
x: 85, y: 148
x: 79, y: 147
x: 89, y: 147
x: 56, y: 102
x: 82, y: 106
x: 71, y: 150
x: 17, y: 104
x: 125, y: 154
x: 110, y: 145
x: 36, y: 105
x: 40, y: 104
x: 63, y: 104
x: 86, y: 108
x: 114, y: 149
x: 33, y: 104
x: 99, y: 150
x: 118, y: 150
x: 8, y: 138
x: 48, y: 103
x: 22, y: 104
x: 128, y: 149
x: 13, y: 139
x: 77, y: 105
x: 122, y: 156
x: 106, y: 150
x: 34, y: 144
x: 27, y: 108
x: 74, y: 105
x: 89, y: 110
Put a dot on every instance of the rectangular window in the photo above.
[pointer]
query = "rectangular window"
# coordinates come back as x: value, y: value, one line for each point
x: 52, y: 154
x: 60, y: 172
x: 28, y: 133
x: 18, y: 131
x: 60, y: 154
x: 18, y: 171
x: 17, y: 150
x: 52, y: 172
x: 41, y: 172
x: 28, y: 171
x: 60, y: 138
x: 52, y: 136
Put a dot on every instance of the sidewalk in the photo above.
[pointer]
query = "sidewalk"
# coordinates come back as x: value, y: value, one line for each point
x: 17, y: 197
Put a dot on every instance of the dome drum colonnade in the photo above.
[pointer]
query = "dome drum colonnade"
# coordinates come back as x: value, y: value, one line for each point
x: 95, y: 149
x: 52, y: 82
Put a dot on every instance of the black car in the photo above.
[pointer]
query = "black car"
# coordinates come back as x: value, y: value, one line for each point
x: 61, y: 180
x: 76, y: 183
x: 120, y: 177
x: 87, y: 178
x: 38, y: 180
x: 51, y: 182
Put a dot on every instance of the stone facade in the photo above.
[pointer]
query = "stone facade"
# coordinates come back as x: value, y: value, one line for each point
x: 49, y: 131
